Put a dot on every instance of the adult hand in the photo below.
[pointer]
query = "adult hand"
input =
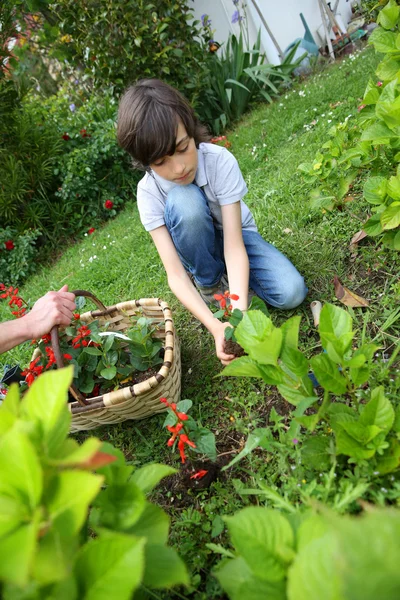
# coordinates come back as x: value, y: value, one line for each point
x: 55, y: 308
x: 219, y: 338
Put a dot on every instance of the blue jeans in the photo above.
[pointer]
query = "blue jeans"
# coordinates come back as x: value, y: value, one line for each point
x: 200, y: 247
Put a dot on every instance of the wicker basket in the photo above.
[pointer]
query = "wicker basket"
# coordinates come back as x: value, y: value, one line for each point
x: 142, y: 399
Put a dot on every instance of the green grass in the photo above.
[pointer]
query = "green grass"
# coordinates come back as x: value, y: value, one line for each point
x: 269, y: 144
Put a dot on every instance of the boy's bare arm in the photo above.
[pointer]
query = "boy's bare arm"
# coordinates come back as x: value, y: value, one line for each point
x: 55, y: 308
x: 185, y: 291
x: 236, y: 259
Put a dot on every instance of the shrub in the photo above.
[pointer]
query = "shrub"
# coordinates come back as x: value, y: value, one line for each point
x: 120, y: 43
x: 17, y: 253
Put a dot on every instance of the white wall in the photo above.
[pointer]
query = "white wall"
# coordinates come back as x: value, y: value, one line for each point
x: 282, y: 17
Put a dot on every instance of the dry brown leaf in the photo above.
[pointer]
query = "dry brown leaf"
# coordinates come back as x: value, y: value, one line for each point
x: 357, y: 237
x: 346, y: 296
x: 349, y: 199
x: 287, y: 230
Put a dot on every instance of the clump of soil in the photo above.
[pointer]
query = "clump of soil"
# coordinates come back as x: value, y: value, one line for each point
x: 234, y: 348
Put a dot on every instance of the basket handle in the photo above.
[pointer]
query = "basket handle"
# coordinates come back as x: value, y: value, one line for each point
x: 55, y: 342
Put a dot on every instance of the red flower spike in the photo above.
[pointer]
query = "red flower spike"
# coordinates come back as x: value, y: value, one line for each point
x: 184, y: 438
x: 65, y: 137
x: 164, y: 401
x: 222, y: 303
x: 67, y: 357
x: 9, y: 244
x: 91, y: 230
x: 173, y: 405
x: 218, y: 297
x: 234, y: 297
x: 182, y: 416
x: 108, y: 204
x: 199, y: 474
x: 77, y: 316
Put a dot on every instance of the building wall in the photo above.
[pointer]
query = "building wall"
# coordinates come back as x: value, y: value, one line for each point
x: 281, y: 16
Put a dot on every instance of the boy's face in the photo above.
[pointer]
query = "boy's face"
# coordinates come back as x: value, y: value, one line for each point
x: 181, y: 167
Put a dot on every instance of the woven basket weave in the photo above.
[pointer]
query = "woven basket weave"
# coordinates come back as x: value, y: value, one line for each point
x: 135, y: 401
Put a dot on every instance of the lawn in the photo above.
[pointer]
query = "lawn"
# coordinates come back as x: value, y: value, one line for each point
x: 119, y: 262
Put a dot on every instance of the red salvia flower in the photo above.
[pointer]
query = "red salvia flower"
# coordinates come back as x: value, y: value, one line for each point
x: 108, y: 204
x: 183, y: 439
x: 51, y: 359
x: 77, y: 316
x: 91, y: 230
x: 9, y: 244
x: 65, y: 137
x: 33, y: 371
x: 199, y: 474
x: 8, y: 292
x: 79, y: 340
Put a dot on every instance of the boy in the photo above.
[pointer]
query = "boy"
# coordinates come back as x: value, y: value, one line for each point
x: 190, y: 200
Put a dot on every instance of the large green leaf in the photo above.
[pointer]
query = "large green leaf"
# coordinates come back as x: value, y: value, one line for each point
x: 21, y: 475
x: 378, y: 133
x: 378, y: 411
x: 361, y: 433
x: 328, y: 374
x: 69, y: 496
x: 153, y: 524
x: 45, y: 405
x: 390, y: 218
x: 264, y: 539
x: 163, y: 567
x: 259, y: 338
x: 149, y: 476
x: 375, y: 190
x: 17, y: 550
x: 54, y: 557
x: 373, y: 226
x: 9, y: 409
x: 120, y: 506
x: 371, y: 94
x: 335, y: 326
x: 244, y: 366
x: 347, y: 445
x: 384, y: 41
x: 240, y: 583
x: 314, y: 574
x: 390, y: 460
x: 315, y: 453
x: 388, y: 68
x: 388, y: 15
x: 110, y: 568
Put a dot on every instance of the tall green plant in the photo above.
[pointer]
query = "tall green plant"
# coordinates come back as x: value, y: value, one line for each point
x: 74, y: 519
x: 311, y: 555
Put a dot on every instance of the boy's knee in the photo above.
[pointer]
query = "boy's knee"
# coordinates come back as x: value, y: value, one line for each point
x: 185, y: 203
x: 293, y: 294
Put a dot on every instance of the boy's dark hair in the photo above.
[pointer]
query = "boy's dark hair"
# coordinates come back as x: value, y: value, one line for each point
x: 148, y: 117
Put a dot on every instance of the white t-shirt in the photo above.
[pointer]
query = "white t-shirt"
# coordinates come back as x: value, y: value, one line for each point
x: 218, y: 175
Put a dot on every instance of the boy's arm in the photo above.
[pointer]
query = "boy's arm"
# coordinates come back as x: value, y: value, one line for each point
x: 235, y: 254
x: 55, y: 308
x: 184, y: 290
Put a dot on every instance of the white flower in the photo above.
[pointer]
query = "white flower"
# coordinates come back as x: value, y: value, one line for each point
x: 329, y: 120
x: 301, y: 93
x: 104, y: 247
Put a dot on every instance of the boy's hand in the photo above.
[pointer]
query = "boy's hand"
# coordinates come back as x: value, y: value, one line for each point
x: 219, y: 338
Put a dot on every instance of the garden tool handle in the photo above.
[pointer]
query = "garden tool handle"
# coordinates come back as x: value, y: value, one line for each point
x: 55, y: 342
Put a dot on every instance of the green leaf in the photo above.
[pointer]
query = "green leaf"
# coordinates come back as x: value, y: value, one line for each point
x: 295, y: 361
x: 361, y: 433
x: 120, y: 506
x: 184, y: 406
x: 384, y: 41
x: 17, y: 550
x: 218, y: 526
x: 371, y: 94
x: 258, y: 304
x: 110, y: 568
x: 255, y: 439
x: 290, y: 331
x: 244, y: 366
x: 375, y: 190
x: 314, y: 452
x: 149, y: 476
x: 297, y: 392
x: 163, y: 568
x: 240, y: 583
x: 93, y: 351
x: 388, y: 68
x: 153, y: 524
x: 378, y: 133
x: 21, y: 475
x: 328, y: 374
x: 264, y: 539
x: 9, y: 409
x: 390, y: 218
x: 347, y: 445
x: 109, y: 372
x: 205, y: 443
x: 393, y: 188
x: 378, y: 411
x: 69, y: 496
x: 45, y: 407
x: 390, y: 460
x: 388, y: 15
x: 373, y: 226
x: 54, y: 557
x: 335, y: 326
x: 259, y: 338
x: 109, y: 342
